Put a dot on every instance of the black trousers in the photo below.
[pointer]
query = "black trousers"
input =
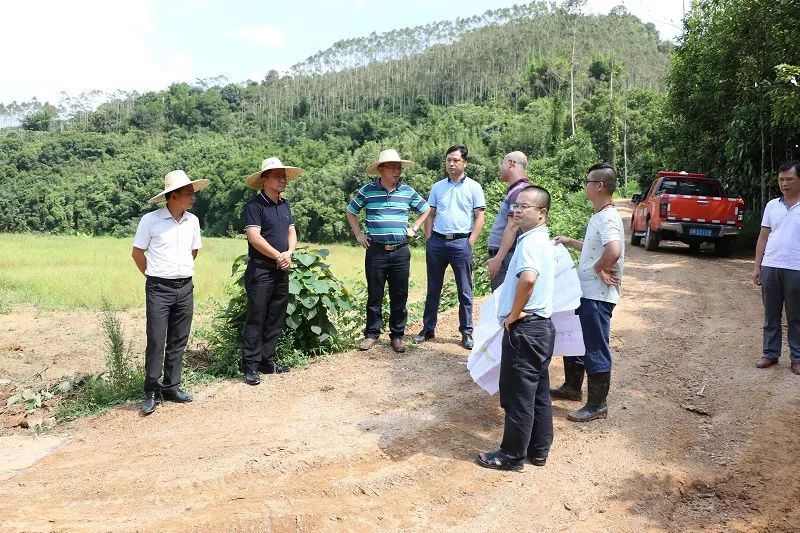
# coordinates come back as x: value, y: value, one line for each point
x: 382, y: 267
x: 170, y: 306
x: 525, y: 387
x: 267, y: 296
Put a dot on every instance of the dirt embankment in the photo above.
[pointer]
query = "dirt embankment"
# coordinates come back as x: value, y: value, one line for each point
x: 697, y: 438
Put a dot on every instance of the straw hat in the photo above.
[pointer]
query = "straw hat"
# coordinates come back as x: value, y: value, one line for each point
x: 174, y: 181
x: 255, y: 180
x: 388, y: 156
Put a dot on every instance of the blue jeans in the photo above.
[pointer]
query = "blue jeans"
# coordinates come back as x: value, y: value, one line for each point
x: 595, y: 317
x: 780, y: 287
x: 525, y: 387
x: 457, y: 253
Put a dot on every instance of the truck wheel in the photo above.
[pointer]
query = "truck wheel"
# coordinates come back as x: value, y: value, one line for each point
x: 635, y: 241
x: 651, y: 239
x: 723, y: 247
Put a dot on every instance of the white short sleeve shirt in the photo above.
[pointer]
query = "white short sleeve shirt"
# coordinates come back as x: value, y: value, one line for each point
x: 168, y: 243
x: 604, y: 227
x: 783, y: 244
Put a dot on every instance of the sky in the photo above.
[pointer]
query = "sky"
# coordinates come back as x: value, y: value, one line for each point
x: 54, y: 46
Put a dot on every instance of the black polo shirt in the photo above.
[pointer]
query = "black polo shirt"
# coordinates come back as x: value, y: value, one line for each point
x: 274, y: 221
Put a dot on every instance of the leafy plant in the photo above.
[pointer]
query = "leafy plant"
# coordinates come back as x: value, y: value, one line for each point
x: 318, y: 305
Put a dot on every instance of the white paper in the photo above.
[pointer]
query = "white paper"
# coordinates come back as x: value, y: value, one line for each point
x: 484, y: 360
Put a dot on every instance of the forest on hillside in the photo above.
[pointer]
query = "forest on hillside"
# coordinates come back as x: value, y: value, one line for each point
x: 566, y: 88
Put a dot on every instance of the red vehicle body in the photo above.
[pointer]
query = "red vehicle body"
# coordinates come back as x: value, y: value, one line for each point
x: 691, y: 208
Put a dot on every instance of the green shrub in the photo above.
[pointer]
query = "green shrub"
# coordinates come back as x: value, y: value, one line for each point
x: 121, y: 382
x: 320, y: 317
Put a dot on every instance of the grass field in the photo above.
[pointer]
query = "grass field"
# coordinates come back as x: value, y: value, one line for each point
x: 65, y: 272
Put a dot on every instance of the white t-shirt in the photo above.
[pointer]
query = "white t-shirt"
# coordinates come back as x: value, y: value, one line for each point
x: 783, y: 244
x: 168, y: 243
x: 604, y: 227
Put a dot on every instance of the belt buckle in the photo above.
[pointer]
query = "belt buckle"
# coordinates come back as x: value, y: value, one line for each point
x: 449, y: 236
x: 390, y: 247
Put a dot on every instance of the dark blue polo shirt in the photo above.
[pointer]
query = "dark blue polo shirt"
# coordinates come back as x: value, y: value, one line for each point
x: 274, y: 221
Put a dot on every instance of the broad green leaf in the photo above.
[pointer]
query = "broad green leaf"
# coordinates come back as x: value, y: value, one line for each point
x: 294, y: 287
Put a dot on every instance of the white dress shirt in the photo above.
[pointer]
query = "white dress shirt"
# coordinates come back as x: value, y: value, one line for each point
x: 168, y: 243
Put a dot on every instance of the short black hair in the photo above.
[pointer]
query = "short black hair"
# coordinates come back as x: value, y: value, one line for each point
x: 167, y: 195
x: 789, y: 165
x: 459, y: 148
x: 542, y: 195
x: 607, y: 174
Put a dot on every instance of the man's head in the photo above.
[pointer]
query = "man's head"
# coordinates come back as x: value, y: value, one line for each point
x: 456, y: 161
x: 532, y: 207
x: 181, y: 199
x: 789, y: 178
x: 513, y: 166
x: 275, y: 181
x: 600, y: 182
x: 390, y: 172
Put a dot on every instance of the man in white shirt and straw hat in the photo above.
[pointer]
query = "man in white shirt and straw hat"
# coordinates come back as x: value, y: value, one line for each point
x: 271, y: 240
x: 387, y: 202
x: 164, y: 250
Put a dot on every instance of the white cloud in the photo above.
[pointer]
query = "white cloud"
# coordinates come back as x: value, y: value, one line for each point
x: 264, y: 35
x: 53, y: 46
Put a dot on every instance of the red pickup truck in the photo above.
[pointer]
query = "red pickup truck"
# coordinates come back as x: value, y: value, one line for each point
x: 691, y: 208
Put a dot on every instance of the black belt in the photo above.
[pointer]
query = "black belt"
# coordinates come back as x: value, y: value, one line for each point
x: 493, y: 251
x: 451, y: 236
x: 390, y: 247
x: 264, y: 263
x: 176, y: 283
x: 531, y: 318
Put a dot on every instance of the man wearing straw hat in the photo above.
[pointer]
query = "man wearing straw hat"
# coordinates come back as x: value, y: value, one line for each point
x: 271, y: 240
x: 164, y: 250
x: 387, y: 260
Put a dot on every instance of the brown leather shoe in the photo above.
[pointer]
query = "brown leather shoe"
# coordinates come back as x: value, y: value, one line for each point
x: 367, y: 343
x: 398, y: 345
x: 796, y: 368
x: 766, y: 362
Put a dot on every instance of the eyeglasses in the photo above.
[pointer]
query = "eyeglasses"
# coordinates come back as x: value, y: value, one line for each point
x: 523, y: 207
x: 786, y: 180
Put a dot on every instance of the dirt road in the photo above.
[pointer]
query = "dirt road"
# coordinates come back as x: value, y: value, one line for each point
x: 697, y: 438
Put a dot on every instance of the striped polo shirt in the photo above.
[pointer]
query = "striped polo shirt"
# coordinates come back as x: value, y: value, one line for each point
x: 387, y: 211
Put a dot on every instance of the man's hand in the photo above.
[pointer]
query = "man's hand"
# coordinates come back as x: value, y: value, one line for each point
x: 363, y: 240
x: 757, y: 276
x: 284, y: 260
x: 472, y: 240
x: 561, y: 239
x: 510, y: 319
x: 493, y: 267
x: 411, y: 233
x: 609, y: 277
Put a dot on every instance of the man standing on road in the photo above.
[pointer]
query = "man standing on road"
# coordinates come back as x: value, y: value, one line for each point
x: 777, y: 268
x: 504, y: 231
x: 271, y: 240
x: 524, y: 308
x: 600, y: 274
x: 388, y: 258
x: 457, y: 205
x: 164, y: 250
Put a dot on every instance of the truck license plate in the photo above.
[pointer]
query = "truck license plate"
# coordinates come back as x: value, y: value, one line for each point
x: 700, y: 232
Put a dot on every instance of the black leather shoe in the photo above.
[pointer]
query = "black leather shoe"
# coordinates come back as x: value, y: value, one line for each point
x: 149, y: 403
x: 273, y: 368
x: 538, y: 461
x: 251, y: 377
x: 500, y: 460
x: 466, y: 341
x: 423, y: 336
x: 175, y: 395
